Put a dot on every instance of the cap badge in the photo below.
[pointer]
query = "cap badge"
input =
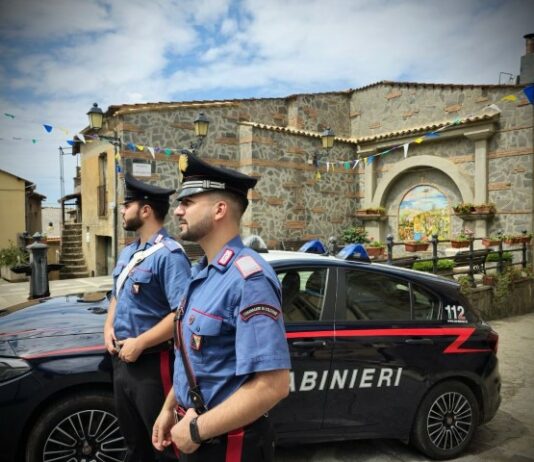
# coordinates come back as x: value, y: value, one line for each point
x: 182, y: 162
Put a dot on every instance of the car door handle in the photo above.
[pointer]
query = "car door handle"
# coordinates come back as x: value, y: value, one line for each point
x: 310, y: 343
x: 419, y: 341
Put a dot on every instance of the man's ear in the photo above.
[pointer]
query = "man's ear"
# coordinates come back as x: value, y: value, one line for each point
x: 221, y: 209
x: 146, y: 210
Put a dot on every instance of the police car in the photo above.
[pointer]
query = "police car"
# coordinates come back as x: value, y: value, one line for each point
x: 377, y: 352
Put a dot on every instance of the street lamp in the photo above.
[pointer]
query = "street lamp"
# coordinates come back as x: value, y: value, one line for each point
x: 201, y: 124
x: 327, y: 142
x: 96, y: 120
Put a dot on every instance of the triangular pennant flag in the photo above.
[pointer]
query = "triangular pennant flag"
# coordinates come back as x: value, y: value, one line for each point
x: 119, y: 169
x: 81, y: 137
x: 457, y: 121
x: 419, y: 140
x: 529, y: 93
x: 117, y: 157
x: 509, y: 98
x: 370, y: 160
x: 131, y: 147
x: 64, y: 130
x: 11, y: 116
x: 405, y: 147
x: 70, y: 142
x: 168, y: 152
x: 432, y: 135
x: 139, y: 147
x: 317, y: 175
x: 356, y: 162
x: 151, y: 151
x: 34, y: 140
x: 48, y: 128
x: 347, y: 165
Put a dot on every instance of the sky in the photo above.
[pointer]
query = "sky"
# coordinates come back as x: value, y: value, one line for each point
x: 58, y: 57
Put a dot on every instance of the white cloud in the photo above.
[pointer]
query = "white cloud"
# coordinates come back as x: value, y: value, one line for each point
x: 57, y: 57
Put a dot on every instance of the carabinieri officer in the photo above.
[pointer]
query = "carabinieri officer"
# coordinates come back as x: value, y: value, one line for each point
x: 232, y: 361
x: 148, y: 282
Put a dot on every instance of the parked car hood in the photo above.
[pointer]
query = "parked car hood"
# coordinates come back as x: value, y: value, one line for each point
x: 50, y: 324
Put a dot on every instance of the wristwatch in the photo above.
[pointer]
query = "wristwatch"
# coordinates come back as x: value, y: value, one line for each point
x: 193, y: 430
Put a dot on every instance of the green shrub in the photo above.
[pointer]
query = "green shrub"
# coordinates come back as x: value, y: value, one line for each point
x: 13, y: 255
x: 494, y: 256
x: 443, y: 265
x: 355, y: 234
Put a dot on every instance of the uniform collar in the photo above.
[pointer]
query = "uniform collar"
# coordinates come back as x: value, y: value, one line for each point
x: 158, y: 236
x: 224, y: 259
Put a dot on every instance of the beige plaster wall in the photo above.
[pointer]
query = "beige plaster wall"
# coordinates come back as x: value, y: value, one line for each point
x: 12, y: 208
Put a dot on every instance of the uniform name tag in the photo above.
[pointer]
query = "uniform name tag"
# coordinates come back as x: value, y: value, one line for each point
x: 256, y: 310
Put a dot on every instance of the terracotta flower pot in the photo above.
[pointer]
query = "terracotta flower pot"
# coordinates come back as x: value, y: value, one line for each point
x: 375, y: 251
x: 487, y: 242
x: 415, y: 246
x: 459, y: 244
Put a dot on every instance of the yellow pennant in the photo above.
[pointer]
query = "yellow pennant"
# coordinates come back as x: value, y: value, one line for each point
x: 139, y: 147
x: 419, y: 140
x: 317, y: 175
x: 509, y: 98
x: 182, y: 163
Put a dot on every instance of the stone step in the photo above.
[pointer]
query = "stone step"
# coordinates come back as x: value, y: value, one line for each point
x: 73, y: 274
x: 71, y: 260
x: 75, y: 266
x: 72, y: 226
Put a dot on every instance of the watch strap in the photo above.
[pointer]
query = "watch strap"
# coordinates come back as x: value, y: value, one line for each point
x: 193, y: 430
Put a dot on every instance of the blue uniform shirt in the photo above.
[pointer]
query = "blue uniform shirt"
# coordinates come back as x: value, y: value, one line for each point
x: 232, y: 324
x: 153, y: 288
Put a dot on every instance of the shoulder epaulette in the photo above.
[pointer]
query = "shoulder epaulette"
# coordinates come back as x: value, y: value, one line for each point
x: 247, y: 266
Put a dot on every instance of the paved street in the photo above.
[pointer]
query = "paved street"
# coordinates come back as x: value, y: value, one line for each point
x: 508, y: 437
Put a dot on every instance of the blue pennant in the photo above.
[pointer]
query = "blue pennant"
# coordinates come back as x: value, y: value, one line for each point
x: 529, y: 93
x: 70, y: 142
x: 48, y: 128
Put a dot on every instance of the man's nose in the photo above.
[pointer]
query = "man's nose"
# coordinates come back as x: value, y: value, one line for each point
x: 179, y: 211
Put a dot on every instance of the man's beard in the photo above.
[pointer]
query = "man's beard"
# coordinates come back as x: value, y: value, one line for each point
x: 133, y: 224
x: 196, y: 232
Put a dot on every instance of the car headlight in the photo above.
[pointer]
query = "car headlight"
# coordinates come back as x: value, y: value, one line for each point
x: 12, y: 367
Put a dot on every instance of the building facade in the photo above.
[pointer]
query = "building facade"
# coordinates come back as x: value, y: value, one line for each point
x: 394, y: 141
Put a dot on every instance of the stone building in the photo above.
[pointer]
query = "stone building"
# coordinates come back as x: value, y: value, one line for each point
x: 464, y: 143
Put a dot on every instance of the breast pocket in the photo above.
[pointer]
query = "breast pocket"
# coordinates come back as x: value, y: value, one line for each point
x: 140, y: 279
x: 205, y: 333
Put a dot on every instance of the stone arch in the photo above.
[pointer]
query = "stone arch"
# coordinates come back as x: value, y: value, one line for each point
x: 446, y: 166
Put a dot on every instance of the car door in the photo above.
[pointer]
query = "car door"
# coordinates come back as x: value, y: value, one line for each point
x: 308, y: 300
x: 381, y: 356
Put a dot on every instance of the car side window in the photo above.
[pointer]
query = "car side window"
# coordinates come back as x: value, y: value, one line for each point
x: 379, y: 297
x: 303, y: 293
x: 374, y: 296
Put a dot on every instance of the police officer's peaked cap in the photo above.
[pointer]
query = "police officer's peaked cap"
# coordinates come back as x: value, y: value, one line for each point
x: 135, y: 190
x: 200, y: 177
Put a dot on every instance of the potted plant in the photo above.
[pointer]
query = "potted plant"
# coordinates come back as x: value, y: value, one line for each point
x: 416, y: 245
x: 490, y: 241
x: 462, y: 239
x: 355, y: 234
x: 375, y: 248
x: 371, y: 213
x: 9, y: 258
x: 525, y: 237
x: 463, y: 208
x: 486, y: 208
x: 511, y: 239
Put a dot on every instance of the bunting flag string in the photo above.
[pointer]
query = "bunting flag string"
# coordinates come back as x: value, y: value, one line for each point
x: 49, y: 128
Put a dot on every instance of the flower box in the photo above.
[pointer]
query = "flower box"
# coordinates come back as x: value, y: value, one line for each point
x: 525, y: 239
x: 415, y: 246
x: 455, y: 244
x: 488, y: 242
x: 375, y: 251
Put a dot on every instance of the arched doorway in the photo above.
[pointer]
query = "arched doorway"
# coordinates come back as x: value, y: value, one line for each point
x: 423, y: 211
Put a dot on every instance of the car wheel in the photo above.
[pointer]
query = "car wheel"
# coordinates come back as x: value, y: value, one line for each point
x: 76, y: 429
x: 446, y: 420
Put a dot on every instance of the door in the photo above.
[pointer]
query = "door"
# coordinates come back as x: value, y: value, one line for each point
x: 379, y: 360
x: 308, y: 298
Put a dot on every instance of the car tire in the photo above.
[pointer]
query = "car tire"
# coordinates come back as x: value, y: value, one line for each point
x: 446, y: 420
x: 77, y: 428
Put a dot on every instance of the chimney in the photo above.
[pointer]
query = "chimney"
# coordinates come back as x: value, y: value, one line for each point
x: 526, y: 72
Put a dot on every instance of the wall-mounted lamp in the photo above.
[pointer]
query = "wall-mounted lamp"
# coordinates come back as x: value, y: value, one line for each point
x: 201, y: 124
x: 327, y: 141
x: 96, y: 120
